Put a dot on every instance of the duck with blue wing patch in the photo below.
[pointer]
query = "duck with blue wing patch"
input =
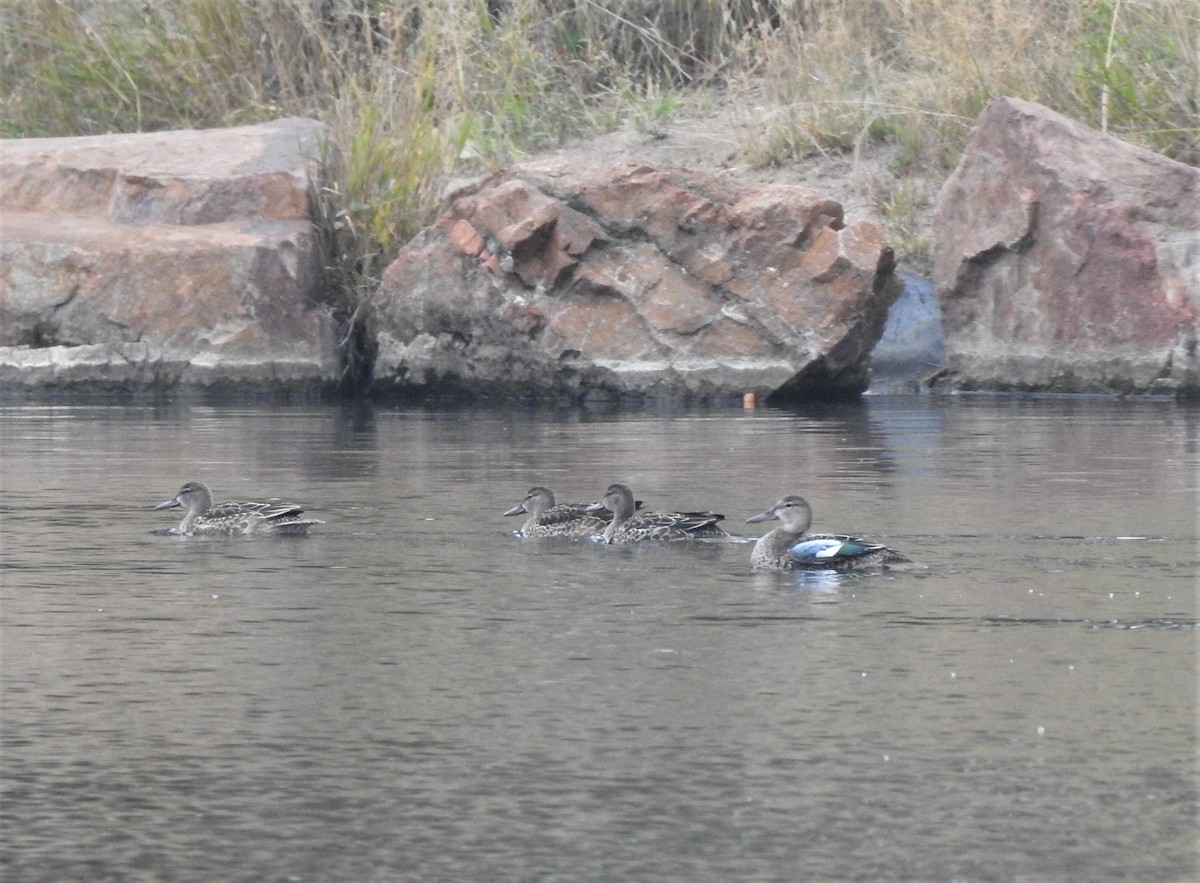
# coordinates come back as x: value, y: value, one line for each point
x: 787, y: 547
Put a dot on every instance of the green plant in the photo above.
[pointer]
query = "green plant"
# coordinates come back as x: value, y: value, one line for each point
x: 653, y: 109
x: 1137, y: 73
x: 901, y: 206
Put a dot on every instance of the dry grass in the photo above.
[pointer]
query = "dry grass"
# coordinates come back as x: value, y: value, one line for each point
x: 416, y: 91
x: 909, y: 78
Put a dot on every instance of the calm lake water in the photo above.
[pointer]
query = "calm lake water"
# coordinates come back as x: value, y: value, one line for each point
x: 413, y: 693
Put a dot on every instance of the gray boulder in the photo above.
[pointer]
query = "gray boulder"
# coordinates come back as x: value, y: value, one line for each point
x: 911, y: 351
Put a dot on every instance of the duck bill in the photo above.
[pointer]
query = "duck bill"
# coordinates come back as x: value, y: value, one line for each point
x: 596, y: 507
x: 518, y: 509
x: 769, y: 515
x: 169, y: 504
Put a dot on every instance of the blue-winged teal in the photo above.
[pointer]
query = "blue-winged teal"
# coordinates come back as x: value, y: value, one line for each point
x: 548, y: 519
x: 783, y: 548
x: 630, y: 526
x: 233, y: 518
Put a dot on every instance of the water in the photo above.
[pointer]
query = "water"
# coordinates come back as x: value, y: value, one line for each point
x: 413, y: 693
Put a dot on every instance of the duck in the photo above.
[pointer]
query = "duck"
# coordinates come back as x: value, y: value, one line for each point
x: 202, y: 518
x: 550, y: 519
x: 630, y: 526
x: 788, y: 548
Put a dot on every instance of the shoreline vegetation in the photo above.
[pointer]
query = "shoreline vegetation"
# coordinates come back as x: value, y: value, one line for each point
x: 417, y: 93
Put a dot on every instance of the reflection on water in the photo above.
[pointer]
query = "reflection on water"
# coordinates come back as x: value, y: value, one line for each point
x: 412, y: 693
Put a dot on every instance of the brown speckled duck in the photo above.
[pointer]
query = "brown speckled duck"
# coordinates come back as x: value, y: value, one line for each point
x: 550, y: 519
x: 202, y: 518
x: 630, y: 526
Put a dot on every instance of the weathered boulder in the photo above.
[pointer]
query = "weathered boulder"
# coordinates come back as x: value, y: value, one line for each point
x: 157, y: 260
x: 911, y: 351
x: 633, y: 280
x: 1067, y: 260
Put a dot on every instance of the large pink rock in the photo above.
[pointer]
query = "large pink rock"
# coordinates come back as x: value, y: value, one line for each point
x: 1067, y: 260
x: 634, y: 280
x: 175, y: 258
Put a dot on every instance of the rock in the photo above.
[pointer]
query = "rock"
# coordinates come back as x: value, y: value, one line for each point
x: 630, y: 281
x: 158, y: 260
x: 1067, y: 260
x: 911, y: 350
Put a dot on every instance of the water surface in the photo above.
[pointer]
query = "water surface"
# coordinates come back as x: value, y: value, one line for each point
x: 412, y: 693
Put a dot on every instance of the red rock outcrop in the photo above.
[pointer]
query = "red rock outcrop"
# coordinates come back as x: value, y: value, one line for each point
x: 175, y: 258
x: 1067, y: 260
x: 634, y: 281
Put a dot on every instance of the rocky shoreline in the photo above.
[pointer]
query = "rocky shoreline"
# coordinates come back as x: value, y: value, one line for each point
x: 1066, y: 261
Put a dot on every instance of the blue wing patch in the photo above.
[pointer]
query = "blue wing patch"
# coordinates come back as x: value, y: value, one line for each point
x: 826, y: 551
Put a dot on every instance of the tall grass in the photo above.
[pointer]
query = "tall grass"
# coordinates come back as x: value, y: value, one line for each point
x: 907, y: 79
x: 918, y: 73
x: 418, y: 91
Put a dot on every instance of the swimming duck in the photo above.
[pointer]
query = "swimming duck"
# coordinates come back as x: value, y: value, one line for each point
x: 550, y: 519
x: 783, y: 548
x: 233, y: 518
x: 628, y: 526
